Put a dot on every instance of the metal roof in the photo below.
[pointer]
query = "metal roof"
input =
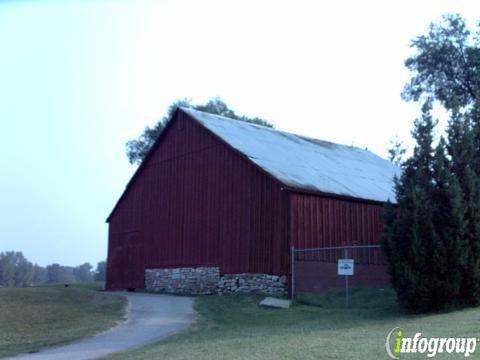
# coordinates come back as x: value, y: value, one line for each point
x: 306, y: 163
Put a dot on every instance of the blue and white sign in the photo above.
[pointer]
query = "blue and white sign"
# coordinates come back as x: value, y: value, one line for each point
x: 345, y: 267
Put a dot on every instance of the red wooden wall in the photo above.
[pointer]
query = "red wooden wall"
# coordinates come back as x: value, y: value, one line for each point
x: 317, y: 221
x: 196, y: 201
x: 320, y: 277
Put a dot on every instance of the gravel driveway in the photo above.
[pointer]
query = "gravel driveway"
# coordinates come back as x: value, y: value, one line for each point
x: 150, y: 318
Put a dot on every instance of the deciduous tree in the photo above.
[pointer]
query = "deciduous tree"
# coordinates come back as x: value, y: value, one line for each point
x: 137, y: 149
x: 100, y: 272
x: 15, y: 269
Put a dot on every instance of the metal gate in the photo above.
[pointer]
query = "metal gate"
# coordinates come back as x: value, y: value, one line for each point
x: 314, y: 270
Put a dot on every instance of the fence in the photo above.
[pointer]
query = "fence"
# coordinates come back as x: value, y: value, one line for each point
x: 314, y: 270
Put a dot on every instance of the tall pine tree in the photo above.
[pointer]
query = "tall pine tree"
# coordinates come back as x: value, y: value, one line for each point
x: 432, y: 238
x: 465, y: 158
x: 436, y: 223
x: 449, y: 252
x: 410, y: 239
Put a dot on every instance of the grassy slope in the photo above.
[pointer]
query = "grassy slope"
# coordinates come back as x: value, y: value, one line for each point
x: 32, y: 318
x: 234, y: 327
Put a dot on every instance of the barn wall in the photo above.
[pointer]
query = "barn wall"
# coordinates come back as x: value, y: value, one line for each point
x: 317, y: 221
x: 197, y: 202
x: 320, y: 277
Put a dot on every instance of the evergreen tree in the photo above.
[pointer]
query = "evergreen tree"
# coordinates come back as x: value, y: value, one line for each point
x: 432, y: 238
x: 396, y: 151
x: 449, y: 252
x: 474, y: 119
x: 465, y: 158
x: 410, y: 238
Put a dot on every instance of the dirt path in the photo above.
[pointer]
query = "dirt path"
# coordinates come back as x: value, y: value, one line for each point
x: 150, y: 318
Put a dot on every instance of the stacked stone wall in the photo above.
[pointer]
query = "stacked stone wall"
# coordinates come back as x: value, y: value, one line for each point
x: 206, y: 280
x: 185, y: 281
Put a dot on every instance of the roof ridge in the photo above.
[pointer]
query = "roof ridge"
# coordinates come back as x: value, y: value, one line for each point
x: 303, y: 162
x: 261, y: 127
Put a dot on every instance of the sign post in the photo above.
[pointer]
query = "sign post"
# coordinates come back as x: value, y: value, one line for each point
x: 292, y: 260
x: 345, y: 267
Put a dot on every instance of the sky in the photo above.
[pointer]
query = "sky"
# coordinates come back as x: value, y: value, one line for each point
x: 78, y: 78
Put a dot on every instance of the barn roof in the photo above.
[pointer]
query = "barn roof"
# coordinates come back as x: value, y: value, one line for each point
x: 306, y: 163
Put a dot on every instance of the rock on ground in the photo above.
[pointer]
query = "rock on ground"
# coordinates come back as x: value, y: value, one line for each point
x: 276, y: 303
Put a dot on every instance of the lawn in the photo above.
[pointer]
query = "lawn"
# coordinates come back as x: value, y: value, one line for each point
x: 235, y: 327
x: 37, y: 317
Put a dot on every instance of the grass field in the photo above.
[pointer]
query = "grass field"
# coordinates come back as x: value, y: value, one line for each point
x: 33, y: 318
x: 234, y: 327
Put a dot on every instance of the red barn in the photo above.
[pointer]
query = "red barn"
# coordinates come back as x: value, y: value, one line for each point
x: 217, y: 204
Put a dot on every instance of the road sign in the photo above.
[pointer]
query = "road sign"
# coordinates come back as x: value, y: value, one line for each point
x: 345, y: 267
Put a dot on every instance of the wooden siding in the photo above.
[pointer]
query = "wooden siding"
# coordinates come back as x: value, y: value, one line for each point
x: 320, y: 277
x: 317, y: 221
x: 196, y: 201
x: 323, y: 222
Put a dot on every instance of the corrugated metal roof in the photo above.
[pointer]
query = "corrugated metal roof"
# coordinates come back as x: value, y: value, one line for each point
x: 306, y: 163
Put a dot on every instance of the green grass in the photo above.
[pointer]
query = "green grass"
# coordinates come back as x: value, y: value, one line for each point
x: 235, y: 327
x: 38, y: 317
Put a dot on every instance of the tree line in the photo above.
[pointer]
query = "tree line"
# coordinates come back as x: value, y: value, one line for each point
x: 17, y: 271
x: 432, y: 234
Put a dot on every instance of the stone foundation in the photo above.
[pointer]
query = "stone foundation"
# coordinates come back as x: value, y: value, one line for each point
x: 185, y: 281
x: 245, y: 283
x: 207, y: 280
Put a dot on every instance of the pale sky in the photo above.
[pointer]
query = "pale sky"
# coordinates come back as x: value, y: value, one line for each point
x: 80, y: 78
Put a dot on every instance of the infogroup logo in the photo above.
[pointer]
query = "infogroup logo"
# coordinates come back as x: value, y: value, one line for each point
x: 397, y: 344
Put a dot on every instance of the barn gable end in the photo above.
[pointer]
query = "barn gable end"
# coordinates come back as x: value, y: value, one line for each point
x: 193, y: 202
